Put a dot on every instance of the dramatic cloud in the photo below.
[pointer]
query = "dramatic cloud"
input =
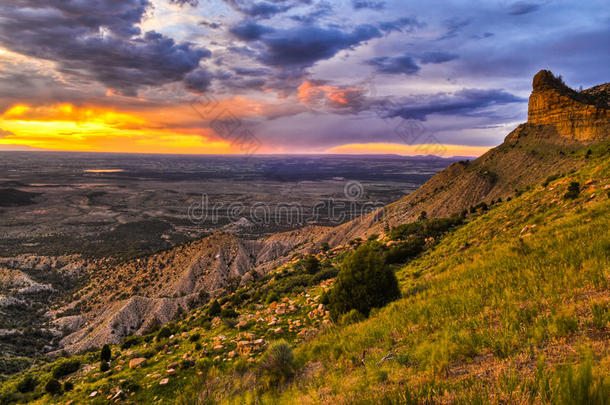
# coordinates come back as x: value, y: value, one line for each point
x: 318, y: 95
x: 249, y: 30
x: 99, y: 41
x: 463, y: 102
x: 303, y: 46
x: 198, y: 80
x: 400, y: 64
x: 4, y: 133
x: 298, y: 72
x: 523, y: 7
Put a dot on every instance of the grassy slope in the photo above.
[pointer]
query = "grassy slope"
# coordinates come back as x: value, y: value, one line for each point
x: 485, y: 308
x: 494, y: 311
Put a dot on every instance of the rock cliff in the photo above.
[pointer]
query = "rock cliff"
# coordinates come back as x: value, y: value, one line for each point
x: 578, y: 116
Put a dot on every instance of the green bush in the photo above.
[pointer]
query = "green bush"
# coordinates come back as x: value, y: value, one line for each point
x: 278, y: 360
x: 228, y: 313
x: 164, y: 333
x: 105, y: 353
x: 405, y: 251
x: 325, y: 246
x: 53, y: 387
x: 27, y: 384
x: 214, y: 309
x: 131, y: 341
x: 68, y: 386
x: 573, y: 191
x: 66, y: 367
x: 272, y: 297
x: 104, y: 366
x: 310, y: 264
x: 364, y: 282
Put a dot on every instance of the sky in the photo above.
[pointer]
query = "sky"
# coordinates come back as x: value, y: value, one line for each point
x: 449, y: 78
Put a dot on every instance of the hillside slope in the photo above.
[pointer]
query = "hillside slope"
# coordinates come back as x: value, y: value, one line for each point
x: 511, y: 307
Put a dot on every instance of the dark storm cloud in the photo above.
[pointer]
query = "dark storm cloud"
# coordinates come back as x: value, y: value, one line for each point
x: 301, y: 47
x: 437, y: 57
x: 364, y: 4
x: 249, y: 30
x: 97, y: 40
x: 198, y: 80
x: 400, y: 64
x: 522, y: 7
x: 464, y: 102
x: 252, y: 71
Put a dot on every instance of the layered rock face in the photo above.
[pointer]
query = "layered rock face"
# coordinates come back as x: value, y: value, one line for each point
x: 577, y: 116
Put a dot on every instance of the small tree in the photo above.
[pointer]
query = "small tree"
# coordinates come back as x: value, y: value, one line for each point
x: 214, y: 308
x: 105, y: 354
x: 311, y: 264
x: 53, y: 387
x: 104, y: 366
x: 364, y: 282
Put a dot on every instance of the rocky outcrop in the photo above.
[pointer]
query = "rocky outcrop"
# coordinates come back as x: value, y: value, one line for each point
x: 578, y: 116
x: 558, y: 118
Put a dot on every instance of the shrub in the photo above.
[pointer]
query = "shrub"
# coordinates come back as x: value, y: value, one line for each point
x: 131, y: 341
x: 194, y: 337
x: 228, y: 313
x: 164, y: 333
x: 27, y: 384
x: 272, y: 297
x: 53, y: 387
x: 68, y: 386
x: 105, y: 353
x: 573, y: 190
x: 310, y: 264
x: 279, y: 360
x: 66, y: 367
x: 104, y: 366
x: 214, y: 308
x: 364, y: 282
x: 325, y: 246
x: 403, y: 252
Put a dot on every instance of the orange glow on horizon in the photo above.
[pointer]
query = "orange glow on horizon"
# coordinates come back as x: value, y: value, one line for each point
x: 444, y: 150
x: 68, y: 127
